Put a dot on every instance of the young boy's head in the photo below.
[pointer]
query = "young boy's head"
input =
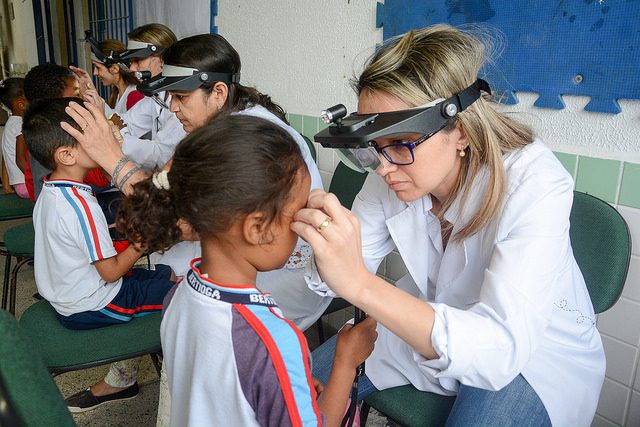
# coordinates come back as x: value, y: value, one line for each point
x: 42, y: 132
x: 50, y: 81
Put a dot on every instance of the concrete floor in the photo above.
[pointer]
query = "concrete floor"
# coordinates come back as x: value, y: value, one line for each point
x: 140, y: 411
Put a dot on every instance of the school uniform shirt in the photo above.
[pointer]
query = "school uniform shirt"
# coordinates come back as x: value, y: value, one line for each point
x: 149, y: 118
x: 12, y: 129
x: 232, y: 359
x: 70, y: 235
x: 508, y: 300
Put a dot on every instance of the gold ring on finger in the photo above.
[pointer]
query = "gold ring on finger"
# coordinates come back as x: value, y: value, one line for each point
x: 324, y: 224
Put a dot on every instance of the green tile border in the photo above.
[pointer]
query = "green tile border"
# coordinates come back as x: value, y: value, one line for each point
x: 569, y: 161
x: 598, y: 177
x: 630, y: 186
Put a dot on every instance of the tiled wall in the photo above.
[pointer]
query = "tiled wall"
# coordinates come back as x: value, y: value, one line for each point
x: 619, y: 184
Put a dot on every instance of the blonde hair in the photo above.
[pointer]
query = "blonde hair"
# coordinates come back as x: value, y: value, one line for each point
x: 156, y: 34
x: 437, y: 62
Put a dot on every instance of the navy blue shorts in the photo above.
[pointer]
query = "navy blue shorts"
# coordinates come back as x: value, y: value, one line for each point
x: 141, y: 293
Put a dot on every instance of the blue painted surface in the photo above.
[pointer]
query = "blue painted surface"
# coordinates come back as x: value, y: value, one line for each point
x: 213, y: 28
x: 577, y: 47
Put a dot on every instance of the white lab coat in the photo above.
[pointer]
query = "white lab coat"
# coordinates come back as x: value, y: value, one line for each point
x: 508, y: 300
x: 165, y: 128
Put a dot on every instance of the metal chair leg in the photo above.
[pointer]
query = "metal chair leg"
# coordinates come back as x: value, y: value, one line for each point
x: 14, y: 283
x: 5, y: 284
x: 364, y: 413
x: 156, y: 362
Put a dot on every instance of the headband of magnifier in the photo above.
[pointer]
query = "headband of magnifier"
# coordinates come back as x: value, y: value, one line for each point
x: 139, y: 50
x: 354, y: 136
x: 361, y: 130
x: 98, y: 56
x: 183, y: 79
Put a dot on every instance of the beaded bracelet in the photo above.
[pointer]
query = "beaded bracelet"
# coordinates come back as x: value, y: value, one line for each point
x: 114, y: 176
x: 127, y: 176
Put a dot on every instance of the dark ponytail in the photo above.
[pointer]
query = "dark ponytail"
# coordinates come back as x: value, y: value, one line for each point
x: 150, y: 218
x: 212, y: 52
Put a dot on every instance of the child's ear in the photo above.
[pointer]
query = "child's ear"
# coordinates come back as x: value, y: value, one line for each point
x: 114, y: 69
x: 254, y: 228
x: 65, y: 155
x: 20, y: 104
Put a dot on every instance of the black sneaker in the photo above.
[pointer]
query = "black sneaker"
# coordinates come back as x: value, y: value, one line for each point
x: 85, y: 401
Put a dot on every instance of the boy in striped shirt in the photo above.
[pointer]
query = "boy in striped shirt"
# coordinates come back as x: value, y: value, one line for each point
x: 76, y: 266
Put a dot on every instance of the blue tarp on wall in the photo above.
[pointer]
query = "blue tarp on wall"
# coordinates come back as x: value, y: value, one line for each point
x: 577, y: 47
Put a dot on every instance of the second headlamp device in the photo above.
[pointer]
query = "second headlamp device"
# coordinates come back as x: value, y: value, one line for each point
x: 350, y: 134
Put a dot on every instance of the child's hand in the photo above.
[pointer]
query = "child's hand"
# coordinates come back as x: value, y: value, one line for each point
x: 355, y: 343
x: 117, y: 120
x: 317, y: 385
x: 84, y: 79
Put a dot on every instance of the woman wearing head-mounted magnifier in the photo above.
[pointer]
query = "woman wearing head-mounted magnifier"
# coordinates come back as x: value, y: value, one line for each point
x: 478, y: 210
x: 149, y: 132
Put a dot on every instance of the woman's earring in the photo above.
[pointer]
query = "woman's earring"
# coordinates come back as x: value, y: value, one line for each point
x: 461, y: 153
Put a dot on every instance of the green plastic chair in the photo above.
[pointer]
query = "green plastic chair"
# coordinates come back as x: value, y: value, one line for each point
x: 345, y: 184
x: 28, y: 395
x: 19, y: 242
x: 66, y: 350
x: 14, y: 207
x: 602, y: 247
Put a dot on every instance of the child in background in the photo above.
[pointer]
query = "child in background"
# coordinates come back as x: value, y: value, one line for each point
x: 12, y: 96
x: 44, y: 81
x: 76, y: 267
x: 230, y: 355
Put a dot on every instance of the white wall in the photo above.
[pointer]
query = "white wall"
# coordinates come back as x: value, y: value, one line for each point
x: 303, y: 52
x: 23, y: 34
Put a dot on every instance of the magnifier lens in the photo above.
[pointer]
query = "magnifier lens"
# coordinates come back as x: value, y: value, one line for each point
x: 360, y: 159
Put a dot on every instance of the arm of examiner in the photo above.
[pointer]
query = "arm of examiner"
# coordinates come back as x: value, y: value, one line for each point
x: 338, y: 256
x: 488, y: 343
x: 99, y: 141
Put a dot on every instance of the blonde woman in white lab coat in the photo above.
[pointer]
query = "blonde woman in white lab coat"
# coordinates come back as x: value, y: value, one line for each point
x: 494, y: 308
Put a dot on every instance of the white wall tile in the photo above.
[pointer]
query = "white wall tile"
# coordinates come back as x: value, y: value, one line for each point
x: 613, y: 401
x: 632, y: 285
x: 633, y: 417
x: 621, y: 360
x: 325, y: 159
x: 636, y: 383
x: 622, y: 321
x: 326, y: 179
x: 632, y: 216
x: 598, y: 421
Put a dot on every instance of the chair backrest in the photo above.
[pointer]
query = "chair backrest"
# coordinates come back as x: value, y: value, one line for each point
x: 312, y: 147
x: 602, y: 247
x: 346, y: 184
x: 29, y: 395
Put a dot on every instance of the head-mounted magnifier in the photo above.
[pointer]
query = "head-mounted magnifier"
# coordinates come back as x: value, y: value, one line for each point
x: 183, y: 79
x: 355, y: 136
x: 98, y: 56
x: 140, y: 50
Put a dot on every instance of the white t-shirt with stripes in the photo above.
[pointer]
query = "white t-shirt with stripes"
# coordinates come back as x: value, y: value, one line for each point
x: 71, y: 233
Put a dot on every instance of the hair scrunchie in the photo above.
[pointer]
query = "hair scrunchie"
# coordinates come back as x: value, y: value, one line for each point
x: 161, y: 180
